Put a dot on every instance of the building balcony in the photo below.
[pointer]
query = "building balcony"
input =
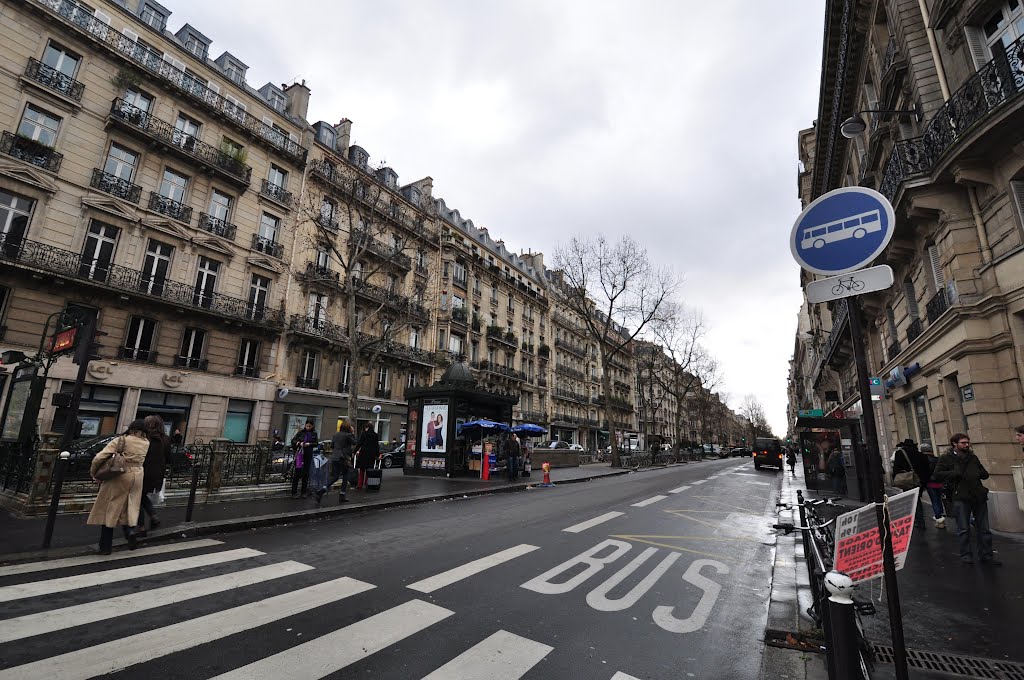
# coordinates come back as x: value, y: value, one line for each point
x: 170, y: 208
x: 53, y: 262
x: 893, y: 349
x: 476, y: 324
x: 53, y: 79
x: 343, y: 388
x: 247, y: 371
x: 937, y: 306
x: 620, y: 384
x: 527, y: 347
x: 421, y: 269
x: 267, y: 246
x: 569, y: 371
x: 578, y: 350
x: 460, y: 315
x: 115, y: 186
x: 398, y: 303
x: 168, y: 138
x: 506, y: 338
x: 563, y: 393
x: 191, y: 362
x: 278, y: 194
x: 318, y: 328
x: 534, y: 417
x: 542, y: 381
x: 30, y: 151
x: 914, y: 330
x: 498, y: 369
x: 316, y: 272
x: 382, y: 393
x: 146, y: 356
x: 82, y: 21
x: 366, y: 242
x: 325, y: 222
x: 543, y: 351
x: 460, y: 282
x: 217, y: 226
x: 307, y: 382
x: 985, y: 93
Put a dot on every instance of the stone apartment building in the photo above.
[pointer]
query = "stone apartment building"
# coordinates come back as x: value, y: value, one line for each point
x: 946, y: 338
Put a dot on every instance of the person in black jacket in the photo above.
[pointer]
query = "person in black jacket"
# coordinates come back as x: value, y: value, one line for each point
x: 367, y: 451
x: 342, y: 444
x: 153, y: 470
x: 304, y: 442
x: 907, y: 457
x: 962, y: 472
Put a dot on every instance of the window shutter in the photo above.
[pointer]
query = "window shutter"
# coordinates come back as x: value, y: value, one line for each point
x: 911, y: 295
x: 976, y: 44
x: 1017, y: 189
x: 937, y: 277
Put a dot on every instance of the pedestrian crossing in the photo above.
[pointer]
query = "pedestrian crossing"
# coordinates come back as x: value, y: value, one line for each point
x: 495, y: 654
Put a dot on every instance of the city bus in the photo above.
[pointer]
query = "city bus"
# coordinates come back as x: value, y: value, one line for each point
x: 855, y: 226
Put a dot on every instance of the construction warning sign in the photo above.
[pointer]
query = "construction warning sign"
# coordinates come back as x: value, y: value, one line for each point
x: 858, y: 545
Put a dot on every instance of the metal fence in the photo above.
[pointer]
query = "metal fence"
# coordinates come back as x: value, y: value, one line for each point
x: 17, y: 465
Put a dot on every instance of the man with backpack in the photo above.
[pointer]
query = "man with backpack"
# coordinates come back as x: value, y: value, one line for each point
x: 962, y: 473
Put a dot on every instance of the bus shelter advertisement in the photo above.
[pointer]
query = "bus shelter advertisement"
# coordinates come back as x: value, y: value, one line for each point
x: 858, y: 545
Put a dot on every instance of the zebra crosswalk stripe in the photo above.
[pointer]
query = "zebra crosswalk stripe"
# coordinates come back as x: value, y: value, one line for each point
x: 44, y: 565
x: 22, y: 627
x: 502, y: 656
x: 330, y: 653
x: 60, y: 585
x: 124, y: 652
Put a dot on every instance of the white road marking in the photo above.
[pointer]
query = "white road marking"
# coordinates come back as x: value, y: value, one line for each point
x: 663, y: 615
x: 22, y: 627
x: 760, y: 483
x: 746, y: 474
x: 680, y: 489
x: 583, y: 526
x: 29, y: 567
x: 429, y: 585
x: 700, y: 481
x: 649, y: 501
x: 124, y: 652
x: 60, y: 585
x: 502, y: 656
x: 622, y: 676
x: 332, y: 652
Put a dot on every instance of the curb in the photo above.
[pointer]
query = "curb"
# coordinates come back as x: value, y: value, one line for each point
x: 197, y: 529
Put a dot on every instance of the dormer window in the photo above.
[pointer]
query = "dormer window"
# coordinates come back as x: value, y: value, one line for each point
x: 234, y: 73
x: 232, y: 68
x: 277, y: 101
x: 154, y: 15
x: 326, y: 136
x: 196, y: 46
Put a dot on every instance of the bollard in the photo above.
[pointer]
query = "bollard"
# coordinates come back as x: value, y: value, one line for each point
x: 58, y: 482
x: 546, y: 467
x: 843, y: 640
x: 192, y: 492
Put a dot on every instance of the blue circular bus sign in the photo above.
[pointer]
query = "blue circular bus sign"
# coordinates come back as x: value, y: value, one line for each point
x: 842, y: 231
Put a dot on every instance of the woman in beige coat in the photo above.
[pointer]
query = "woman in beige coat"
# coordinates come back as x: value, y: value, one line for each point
x: 119, y: 498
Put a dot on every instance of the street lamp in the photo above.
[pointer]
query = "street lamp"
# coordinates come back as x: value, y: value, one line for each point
x: 856, y: 125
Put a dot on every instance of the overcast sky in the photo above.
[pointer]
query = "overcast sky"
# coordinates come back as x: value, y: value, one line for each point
x: 674, y: 121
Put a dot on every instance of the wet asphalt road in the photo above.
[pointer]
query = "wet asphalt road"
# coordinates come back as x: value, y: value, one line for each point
x: 676, y: 586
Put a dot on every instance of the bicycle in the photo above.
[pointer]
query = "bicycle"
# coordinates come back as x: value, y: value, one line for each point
x: 848, y: 284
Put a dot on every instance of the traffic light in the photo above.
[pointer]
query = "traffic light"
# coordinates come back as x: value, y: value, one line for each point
x: 88, y: 346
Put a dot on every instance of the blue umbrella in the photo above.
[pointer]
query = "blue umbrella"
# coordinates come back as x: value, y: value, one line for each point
x: 529, y: 429
x: 482, y: 425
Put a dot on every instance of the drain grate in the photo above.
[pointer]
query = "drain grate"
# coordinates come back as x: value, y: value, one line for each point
x: 967, y: 666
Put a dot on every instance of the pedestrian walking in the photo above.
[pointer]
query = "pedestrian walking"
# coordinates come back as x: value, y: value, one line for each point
x: 962, y: 472
x: 512, y: 452
x: 304, y: 442
x: 934, y: 488
x: 912, y: 467
x: 119, y: 497
x: 343, y: 443
x: 367, y: 452
x: 791, y: 461
x: 153, y: 470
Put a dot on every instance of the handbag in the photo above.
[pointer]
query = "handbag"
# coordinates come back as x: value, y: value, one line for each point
x: 113, y: 466
x: 906, y: 480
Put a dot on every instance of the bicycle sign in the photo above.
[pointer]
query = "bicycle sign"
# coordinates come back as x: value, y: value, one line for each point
x: 855, y: 283
x: 842, y: 231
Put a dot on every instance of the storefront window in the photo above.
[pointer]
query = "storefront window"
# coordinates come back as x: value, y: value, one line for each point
x: 174, y: 408
x: 295, y: 420
x: 98, y: 411
x: 237, y: 420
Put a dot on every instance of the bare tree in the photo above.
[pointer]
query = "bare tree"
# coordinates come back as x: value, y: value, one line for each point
x: 753, y: 411
x: 618, y: 293
x: 651, y: 365
x: 365, y: 236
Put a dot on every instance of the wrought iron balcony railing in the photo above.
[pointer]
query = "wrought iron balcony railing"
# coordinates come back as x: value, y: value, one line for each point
x: 382, y: 393
x: 276, y: 192
x: 184, y: 145
x: 321, y: 273
x: 543, y: 351
x: 247, y: 371
x: 115, y: 186
x: 307, y: 382
x: 578, y: 350
x: 893, y: 349
x: 563, y: 369
x: 136, y: 354
x: 300, y: 323
x: 459, y: 315
x: 267, y: 246
x: 150, y: 60
x: 30, y: 151
x: 937, y: 305
x: 366, y: 242
x: 327, y: 223
x: 169, y: 207
x: 191, y: 362
x: 54, y: 261
x: 342, y: 388
x: 216, y: 225
x: 914, y: 330
x: 390, y: 298
x: 891, y: 53
x: 54, y: 79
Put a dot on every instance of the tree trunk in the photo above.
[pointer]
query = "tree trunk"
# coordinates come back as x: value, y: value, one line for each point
x: 606, y: 387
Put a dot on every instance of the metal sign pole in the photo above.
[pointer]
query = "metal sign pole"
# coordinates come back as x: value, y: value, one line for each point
x: 892, y: 592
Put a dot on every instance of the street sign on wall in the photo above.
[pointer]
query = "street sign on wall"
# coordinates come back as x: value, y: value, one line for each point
x: 842, y: 231
x: 852, y: 283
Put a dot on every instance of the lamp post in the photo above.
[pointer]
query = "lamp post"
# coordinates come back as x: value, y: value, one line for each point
x: 855, y: 125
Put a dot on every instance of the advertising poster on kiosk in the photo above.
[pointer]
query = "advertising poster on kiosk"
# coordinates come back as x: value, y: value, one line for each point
x: 432, y: 429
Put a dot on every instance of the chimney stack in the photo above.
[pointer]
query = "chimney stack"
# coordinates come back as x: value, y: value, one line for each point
x: 297, y: 95
x: 344, y: 132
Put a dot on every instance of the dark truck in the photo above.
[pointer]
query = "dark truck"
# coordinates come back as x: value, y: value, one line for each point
x: 768, y: 451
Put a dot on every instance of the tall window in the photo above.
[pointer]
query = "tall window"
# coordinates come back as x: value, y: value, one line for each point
x: 323, y: 258
x: 98, y: 252
x: 494, y: 294
x: 268, y: 228
x: 309, y: 368
x: 206, y: 282
x: 259, y: 291
x: 15, y: 212
x: 155, y: 267
x: 277, y: 176
x: 121, y: 162
x: 138, y: 341
x: 421, y: 258
x: 317, y: 308
x: 413, y: 381
x: 173, y: 186
x: 327, y: 211
x: 455, y: 343
x: 414, y: 337
x: 383, y: 379
x: 220, y: 205
x: 186, y: 131
x: 61, y: 60
x: 459, y: 273
x: 140, y: 100
x: 248, y: 358
x: 39, y: 125
x: 191, y: 353
x: 345, y: 370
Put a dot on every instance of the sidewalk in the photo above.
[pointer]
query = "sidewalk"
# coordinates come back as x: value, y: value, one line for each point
x: 21, y: 538
x: 948, y: 608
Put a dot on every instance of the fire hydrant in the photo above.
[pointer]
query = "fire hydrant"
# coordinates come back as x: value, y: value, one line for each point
x: 547, y: 473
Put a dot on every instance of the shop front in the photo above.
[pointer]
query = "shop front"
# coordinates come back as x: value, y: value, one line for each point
x: 434, y: 445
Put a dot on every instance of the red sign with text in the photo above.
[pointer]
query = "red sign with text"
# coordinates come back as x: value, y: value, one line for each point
x: 859, y: 545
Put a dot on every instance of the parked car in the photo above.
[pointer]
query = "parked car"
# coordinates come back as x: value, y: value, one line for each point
x: 556, y: 444
x: 576, y: 447
x: 739, y: 452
